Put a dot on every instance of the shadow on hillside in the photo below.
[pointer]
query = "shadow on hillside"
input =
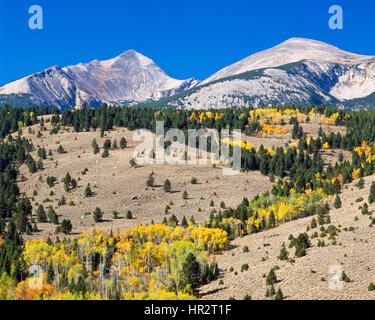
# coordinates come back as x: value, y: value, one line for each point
x: 213, y: 291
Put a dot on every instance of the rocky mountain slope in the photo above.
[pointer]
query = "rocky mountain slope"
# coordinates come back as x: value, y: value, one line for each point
x: 126, y: 79
x: 298, y: 71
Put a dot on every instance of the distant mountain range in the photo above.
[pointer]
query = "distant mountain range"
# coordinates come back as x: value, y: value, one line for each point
x: 298, y: 71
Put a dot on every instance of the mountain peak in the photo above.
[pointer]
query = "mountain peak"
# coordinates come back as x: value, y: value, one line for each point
x: 290, y: 51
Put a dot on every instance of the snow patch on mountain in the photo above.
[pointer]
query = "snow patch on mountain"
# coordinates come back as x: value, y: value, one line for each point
x: 130, y: 77
x: 292, y: 50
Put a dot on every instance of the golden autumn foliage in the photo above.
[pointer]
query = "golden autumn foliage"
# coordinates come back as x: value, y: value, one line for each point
x: 268, y: 130
x: 284, y: 208
x: 24, y: 291
x: 205, y: 115
x: 274, y: 116
x: 144, y: 259
x: 330, y: 120
x: 367, y: 151
x: 247, y: 146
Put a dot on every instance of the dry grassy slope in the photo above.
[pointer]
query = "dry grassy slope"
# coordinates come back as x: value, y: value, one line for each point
x: 355, y: 255
x: 116, y: 183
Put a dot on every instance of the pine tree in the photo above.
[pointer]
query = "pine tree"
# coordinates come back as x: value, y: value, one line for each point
x: 21, y: 221
x: 173, y: 221
x: 191, y: 271
x: 98, y: 215
x: 271, y: 278
x: 341, y: 157
x: 123, y: 143
x: 272, y: 291
x: 41, y: 214
x: 279, y: 295
x: 129, y: 215
x: 371, y: 287
x: 50, y: 274
x: 283, y: 253
x: 42, y: 154
x: 337, y: 203
x: 167, y: 186
x: 95, y: 146
x: 371, y: 198
x: 184, y: 223
x: 313, y: 224
x: 272, y: 220
x: 60, y: 149
x: 365, y: 210
x: 107, y: 144
x: 66, y: 226
x: 52, y: 216
x: 150, y: 180
x: 132, y: 163
x: 88, y: 192
x: 67, y: 182
x: 361, y: 183
x: 105, y: 153
x: 185, y: 195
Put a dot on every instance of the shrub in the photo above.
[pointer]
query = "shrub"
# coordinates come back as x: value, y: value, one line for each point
x: 88, y: 192
x: 283, y: 253
x: 244, y: 267
x: 193, y: 180
x: 371, y: 287
x: 114, y: 215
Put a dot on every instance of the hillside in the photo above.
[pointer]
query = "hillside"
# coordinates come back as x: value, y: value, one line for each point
x: 89, y: 214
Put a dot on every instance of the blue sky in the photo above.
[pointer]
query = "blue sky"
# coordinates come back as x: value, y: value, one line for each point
x: 186, y: 38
